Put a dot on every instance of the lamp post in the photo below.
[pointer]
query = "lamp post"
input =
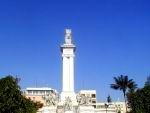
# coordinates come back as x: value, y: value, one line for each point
x: 106, y: 106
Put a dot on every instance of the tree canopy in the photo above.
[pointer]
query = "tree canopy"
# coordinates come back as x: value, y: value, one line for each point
x: 139, y: 101
x: 147, y: 83
x: 124, y: 84
x: 109, y: 100
x: 11, y: 98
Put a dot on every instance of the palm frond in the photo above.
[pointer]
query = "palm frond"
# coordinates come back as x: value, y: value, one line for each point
x: 114, y: 86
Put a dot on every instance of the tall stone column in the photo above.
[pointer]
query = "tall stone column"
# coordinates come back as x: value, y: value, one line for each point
x: 68, y: 53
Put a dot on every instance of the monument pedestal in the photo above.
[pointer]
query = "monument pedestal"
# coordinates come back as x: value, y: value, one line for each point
x: 48, y: 109
x: 85, y: 109
x: 72, y: 97
x: 69, y: 112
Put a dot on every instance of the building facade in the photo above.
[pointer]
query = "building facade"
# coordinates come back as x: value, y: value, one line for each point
x: 89, y: 94
x: 38, y: 94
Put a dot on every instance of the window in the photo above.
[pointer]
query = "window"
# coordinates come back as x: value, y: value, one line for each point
x: 93, y: 101
x: 82, y: 94
x: 34, y: 92
x: 94, y: 106
x: 43, y: 92
x: 47, y: 92
x: 29, y: 92
x: 93, y: 96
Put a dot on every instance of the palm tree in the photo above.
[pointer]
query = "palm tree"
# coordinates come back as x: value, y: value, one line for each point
x: 109, y: 100
x: 124, y: 84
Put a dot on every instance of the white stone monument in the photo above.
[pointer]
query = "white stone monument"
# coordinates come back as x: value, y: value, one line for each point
x: 68, y: 49
x: 69, y: 102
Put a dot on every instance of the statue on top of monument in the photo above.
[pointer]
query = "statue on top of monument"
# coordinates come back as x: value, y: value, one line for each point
x: 68, y: 36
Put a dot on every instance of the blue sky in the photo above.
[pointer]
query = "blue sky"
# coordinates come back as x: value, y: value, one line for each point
x: 112, y: 38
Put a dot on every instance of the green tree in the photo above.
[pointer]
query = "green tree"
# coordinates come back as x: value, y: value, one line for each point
x: 139, y: 101
x: 147, y: 83
x: 109, y: 100
x: 123, y: 83
x: 11, y: 98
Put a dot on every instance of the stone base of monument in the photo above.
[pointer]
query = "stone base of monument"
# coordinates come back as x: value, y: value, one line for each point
x: 85, y: 109
x: 69, y: 112
x: 48, y: 109
x: 71, y: 95
x: 60, y: 109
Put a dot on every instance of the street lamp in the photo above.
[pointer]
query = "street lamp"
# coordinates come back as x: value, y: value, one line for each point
x: 106, y: 106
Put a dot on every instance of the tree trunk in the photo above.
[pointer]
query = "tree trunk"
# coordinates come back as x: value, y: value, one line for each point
x: 125, y: 101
